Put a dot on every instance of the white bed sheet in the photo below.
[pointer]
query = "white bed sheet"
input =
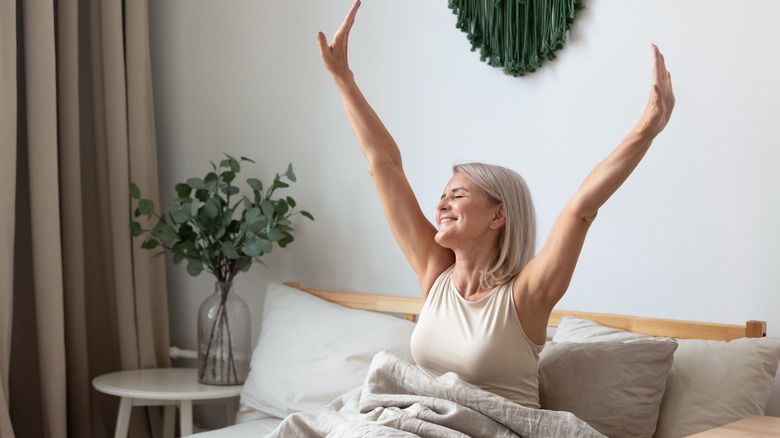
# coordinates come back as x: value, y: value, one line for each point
x: 250, y: 429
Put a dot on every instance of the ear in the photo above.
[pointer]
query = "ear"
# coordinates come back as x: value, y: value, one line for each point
x: 499, y: 217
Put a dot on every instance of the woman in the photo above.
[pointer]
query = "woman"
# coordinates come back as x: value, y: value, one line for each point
x: 487, y: 298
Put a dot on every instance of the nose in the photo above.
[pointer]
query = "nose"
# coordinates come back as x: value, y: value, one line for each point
x: 442, y: 205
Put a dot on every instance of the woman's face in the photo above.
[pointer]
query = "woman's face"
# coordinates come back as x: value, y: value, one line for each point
x: 464, y: 213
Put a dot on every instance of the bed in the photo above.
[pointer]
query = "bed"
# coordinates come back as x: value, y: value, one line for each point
x: 622, y: 375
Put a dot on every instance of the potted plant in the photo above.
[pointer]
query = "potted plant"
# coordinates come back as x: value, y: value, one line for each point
x: 214, y: 228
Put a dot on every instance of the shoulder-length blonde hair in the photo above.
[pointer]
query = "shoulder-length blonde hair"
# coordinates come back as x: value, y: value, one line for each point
x: 517, y: 241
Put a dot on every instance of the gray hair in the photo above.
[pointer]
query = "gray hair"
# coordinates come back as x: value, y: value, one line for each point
x: 517, y: 240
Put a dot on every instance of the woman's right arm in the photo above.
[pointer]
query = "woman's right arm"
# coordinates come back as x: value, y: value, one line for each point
x: 412, y: 230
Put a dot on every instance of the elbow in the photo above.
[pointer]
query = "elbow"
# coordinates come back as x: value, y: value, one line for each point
x: 377, y: 165
x: 583, y: 210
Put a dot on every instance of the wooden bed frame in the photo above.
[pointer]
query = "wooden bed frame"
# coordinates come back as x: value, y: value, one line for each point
x: 410, y: 308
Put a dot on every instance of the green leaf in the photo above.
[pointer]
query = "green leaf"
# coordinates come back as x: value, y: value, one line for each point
x: 260, y: 226
x: 211, y: 209
x: 150, y: 243
x: 168, y: 234
x: 291, y: 201
x: 229, y: 250
x: 202, y: 195
x: 171, y: 207
x: 229, y: 190
x: 213, y: 166
x: 275, y: 235
x: 157, y: 230
x: 194, y: 208
x: 247, y: 159
x: 243, y: 264
x: 194, y: 267
x: 195, y: 183
x: 268, y: 208
x: 247, y: 203
x: 232, y: 163
x: 253, y: 215
x: 265, y: 245
x: 183, y: 190
x: 307, y: 214
x: 227, y: 218
x: 135, y: 193
x: 181, y: 216
x: 288, y: 238
x: 187, y: 233
x: 135, y: 229
x: 188, y: 245
x: 145, y: 206
x: 177, y: 258
x: 255, y: 184
x: 289, y: 173
x: 281, y: 207
x: 211, y: 181
x: 252, y: 247
x: 228, y: 176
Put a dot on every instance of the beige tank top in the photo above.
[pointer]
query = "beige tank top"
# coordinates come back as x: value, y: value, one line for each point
x: 482, y: 341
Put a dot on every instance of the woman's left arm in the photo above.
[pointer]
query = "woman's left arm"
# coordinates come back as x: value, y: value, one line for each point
x: 549, y: 273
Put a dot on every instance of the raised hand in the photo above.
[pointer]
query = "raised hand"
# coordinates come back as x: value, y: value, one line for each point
x: 661, y: 102
x: 335, y: 55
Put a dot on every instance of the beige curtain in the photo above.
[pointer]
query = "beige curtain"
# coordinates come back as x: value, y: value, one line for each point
x: 78, y: 297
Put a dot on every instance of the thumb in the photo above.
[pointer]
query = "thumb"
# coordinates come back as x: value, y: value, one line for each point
x: 323, y: 41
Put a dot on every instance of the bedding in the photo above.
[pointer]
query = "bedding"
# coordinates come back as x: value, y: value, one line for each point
x: 311, y: 351
x: 400, y: 400
x: 615, y: 387
x: 248, y: 429
x: 710, y: 383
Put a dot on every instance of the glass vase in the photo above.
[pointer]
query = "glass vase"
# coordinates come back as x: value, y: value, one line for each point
x: 224, y: 344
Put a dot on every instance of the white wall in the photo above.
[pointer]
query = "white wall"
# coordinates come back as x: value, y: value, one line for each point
x: 693, y: 234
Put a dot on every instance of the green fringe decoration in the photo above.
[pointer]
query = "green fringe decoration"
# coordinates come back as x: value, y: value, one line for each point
x: 517, y: 35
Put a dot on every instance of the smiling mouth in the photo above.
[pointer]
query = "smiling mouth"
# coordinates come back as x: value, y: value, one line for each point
x: 446, y: 220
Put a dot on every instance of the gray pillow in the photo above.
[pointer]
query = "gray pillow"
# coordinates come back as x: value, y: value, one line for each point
x: 616, y: 387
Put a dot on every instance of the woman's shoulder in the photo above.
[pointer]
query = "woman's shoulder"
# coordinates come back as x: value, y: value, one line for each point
x: 435, y: 276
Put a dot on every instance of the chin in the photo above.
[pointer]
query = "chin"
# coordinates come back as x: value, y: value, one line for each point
x: 441, y: 239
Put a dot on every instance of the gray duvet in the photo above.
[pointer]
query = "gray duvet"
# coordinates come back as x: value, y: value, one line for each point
x: 400, y: 400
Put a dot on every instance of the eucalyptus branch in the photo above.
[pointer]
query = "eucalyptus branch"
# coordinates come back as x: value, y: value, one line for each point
x: 202, y: 227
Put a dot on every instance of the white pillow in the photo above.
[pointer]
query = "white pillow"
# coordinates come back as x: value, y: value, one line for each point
x: 711, y: 383
x: 311, y: 351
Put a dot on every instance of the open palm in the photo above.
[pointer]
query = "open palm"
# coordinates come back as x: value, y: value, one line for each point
x: 334, y: 55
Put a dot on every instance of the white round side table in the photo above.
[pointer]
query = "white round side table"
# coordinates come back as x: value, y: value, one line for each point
x: 169, y: 387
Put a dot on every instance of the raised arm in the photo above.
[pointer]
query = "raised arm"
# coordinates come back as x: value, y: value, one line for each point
x: 412, y: 230
x: 549, y: 273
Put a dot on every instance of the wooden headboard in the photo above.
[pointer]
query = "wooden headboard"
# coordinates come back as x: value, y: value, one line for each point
x: 410, y: 308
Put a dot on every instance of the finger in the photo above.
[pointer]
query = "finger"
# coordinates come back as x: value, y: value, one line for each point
x: 350, y: 19
x: 663, y: 67
x: 323, y: 42
x: 658, y: 70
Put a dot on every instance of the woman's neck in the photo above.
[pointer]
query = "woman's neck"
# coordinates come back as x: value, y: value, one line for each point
x: 467, y: 273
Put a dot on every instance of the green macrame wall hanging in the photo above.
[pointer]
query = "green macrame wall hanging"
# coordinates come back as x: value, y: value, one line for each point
x: 517, y: 35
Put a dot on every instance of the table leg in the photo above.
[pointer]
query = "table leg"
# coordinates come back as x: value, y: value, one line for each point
x: 169, y: 424
x: 185, y: 418
x: 230, y: 410
x: 123, y: 417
